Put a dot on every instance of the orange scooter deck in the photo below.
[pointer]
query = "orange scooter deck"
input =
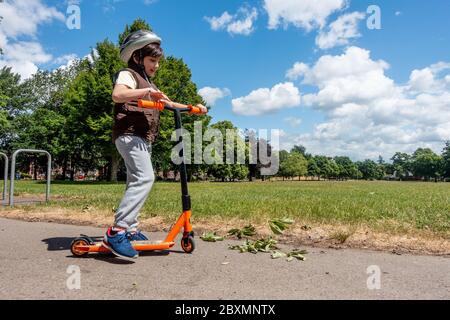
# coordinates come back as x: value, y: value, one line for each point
x: 84, y: 245
x: 137, y: 245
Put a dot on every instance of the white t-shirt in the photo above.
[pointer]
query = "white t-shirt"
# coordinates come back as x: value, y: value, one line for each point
x: 126, y: 78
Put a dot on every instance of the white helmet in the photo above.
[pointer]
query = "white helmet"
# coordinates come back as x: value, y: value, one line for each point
x: 135, y: 41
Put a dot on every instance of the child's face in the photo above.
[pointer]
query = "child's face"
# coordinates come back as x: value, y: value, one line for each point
x: 151, y: 64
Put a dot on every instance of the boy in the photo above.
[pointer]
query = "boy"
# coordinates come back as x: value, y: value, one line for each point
x: 134, y: 130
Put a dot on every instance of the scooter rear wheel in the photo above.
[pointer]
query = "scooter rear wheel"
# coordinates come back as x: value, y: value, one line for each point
x: 188, y: 244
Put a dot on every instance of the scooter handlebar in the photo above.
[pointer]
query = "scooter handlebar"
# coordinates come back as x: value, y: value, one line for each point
x: 161, y: 105
x: 195, y: 110
x: 151, y: 104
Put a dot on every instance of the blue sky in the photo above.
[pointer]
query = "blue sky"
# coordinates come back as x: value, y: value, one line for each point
x: 356, y: 91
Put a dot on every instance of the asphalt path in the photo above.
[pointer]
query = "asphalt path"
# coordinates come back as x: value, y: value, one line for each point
x: 36, y: 263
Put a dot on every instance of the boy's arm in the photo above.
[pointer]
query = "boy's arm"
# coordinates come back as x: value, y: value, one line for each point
x: 123, y: 93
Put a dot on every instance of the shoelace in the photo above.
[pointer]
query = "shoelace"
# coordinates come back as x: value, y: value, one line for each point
x: 121, y: 238
x: 130, y: 235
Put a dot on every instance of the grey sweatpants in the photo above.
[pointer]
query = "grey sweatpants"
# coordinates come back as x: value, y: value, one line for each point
x: 136, y: 152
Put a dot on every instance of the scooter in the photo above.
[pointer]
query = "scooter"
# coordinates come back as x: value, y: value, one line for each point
x: 83, y: 245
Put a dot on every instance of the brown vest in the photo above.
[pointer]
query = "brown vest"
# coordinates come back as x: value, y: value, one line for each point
x: 129, y: 119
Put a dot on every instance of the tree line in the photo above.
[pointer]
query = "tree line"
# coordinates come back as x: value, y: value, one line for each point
x: 423, y: 164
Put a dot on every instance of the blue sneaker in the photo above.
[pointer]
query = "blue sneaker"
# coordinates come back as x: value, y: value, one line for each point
x: 119, y: 244
x: 137, y: 236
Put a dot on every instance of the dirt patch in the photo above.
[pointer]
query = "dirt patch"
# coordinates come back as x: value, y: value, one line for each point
x: 364, y: 238
x: 340, y: 236
x: 300, y: 234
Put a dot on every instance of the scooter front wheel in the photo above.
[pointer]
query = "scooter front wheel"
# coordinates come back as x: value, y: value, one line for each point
x: 76, y: 243
x: 188, y: 244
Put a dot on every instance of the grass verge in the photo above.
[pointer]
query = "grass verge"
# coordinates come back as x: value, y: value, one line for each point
x: 397, y: 216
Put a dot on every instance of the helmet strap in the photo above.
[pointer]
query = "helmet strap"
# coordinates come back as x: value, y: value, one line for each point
x: 142, y: 67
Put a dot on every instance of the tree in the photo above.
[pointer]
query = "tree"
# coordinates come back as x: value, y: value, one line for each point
x: 324, y: 166
x: 43, y: 124
x: 261, y: 156
x: 295, y: 165
x: 283, y: 156
x: 227, y: 171
x: 88, y: 109
x: 446, y: 160
x: 389, y: 168
x: 239, y: 172
x: 425, y: 163
x: 10, y: 106
x: 99, y: 120
x: 34, y: 113
x: 369, y: 169
x: 402, y: 164
x: 313, y: 168
x: 347, y: 169
x: 10, y: 92
x: 5, y: 128
x: 302, y: 150
x: 334, y: 169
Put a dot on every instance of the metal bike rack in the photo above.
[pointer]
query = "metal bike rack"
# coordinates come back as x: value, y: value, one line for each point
x: 5, y: 176
x: 13, y: 170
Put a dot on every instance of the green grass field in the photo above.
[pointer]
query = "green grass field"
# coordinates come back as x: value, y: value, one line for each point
x: 383, y: 206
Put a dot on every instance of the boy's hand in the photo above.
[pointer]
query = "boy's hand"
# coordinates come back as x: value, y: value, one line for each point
x: 202, y: 108
x: 166, y: 101
x: 158, y: 95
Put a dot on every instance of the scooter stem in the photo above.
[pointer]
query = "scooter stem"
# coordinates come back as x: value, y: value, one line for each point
x: 185, y: 198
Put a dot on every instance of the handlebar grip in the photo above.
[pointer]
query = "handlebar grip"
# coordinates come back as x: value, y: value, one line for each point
x: 195, y: 110
x: 150, y: 104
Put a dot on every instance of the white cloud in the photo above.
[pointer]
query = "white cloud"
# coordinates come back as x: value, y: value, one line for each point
x: 92, y: 55
x: 245, y: 25
x: 367, y: 113
x: 21, y: 18
x: 219, y: 23
x: 398, y: 13
x: 348, y: 78
x: 25, y: 68
x: 211, y: 95
x: 24, y: 57
x: 306, y: 14
x: 421, y: 79
x: 339, y: 32
x: 3, y: 40
x: 296, y: 71
x: 293, y: 121
x: 65, y: 59
x: 27, y: 51
x: 239, y: 23
x: 265, y: 100
x: 425, y: 80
